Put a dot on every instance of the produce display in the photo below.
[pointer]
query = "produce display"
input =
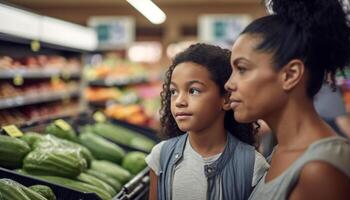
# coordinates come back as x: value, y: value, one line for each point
x: 41, y: 62
x: 40, y: 112
x: 127, y: 90
x: 38, y: 87
x: 121, y: 135
x: 31, y: 90
x: 88, y: 161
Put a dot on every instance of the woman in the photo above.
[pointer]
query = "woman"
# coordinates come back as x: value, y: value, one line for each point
x: 279, y: 63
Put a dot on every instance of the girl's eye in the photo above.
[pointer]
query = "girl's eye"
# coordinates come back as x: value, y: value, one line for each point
x: 173, y: 92
x: 194, y: 91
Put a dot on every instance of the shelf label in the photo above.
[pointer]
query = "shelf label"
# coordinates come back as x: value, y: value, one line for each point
x: 55, y: 79
x: 18, y: 80
x: 63, y: 124
x: 99, y: 117
x: 66, y: 74
x: 12, y: 131
x: 35, y: 45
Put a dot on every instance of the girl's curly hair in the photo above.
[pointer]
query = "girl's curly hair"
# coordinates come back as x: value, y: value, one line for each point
x: 217, y: 61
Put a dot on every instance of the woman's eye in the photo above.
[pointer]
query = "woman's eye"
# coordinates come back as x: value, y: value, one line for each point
x: 194, y: 91
x: 241, y: 70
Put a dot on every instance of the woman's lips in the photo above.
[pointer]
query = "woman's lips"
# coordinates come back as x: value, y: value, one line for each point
x: 234, y: 104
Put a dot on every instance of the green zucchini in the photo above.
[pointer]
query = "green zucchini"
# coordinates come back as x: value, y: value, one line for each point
x: 12, y: 151
x: 112, y: 170
x: 101, y: 148
x: 89, y: 179
x: 111, y: 181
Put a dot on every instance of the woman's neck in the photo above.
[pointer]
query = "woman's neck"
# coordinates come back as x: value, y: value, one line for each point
x: 210, y: 141
x: 298, y: 125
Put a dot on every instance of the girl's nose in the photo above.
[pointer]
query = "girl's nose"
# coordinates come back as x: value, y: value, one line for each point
x: 181, y: 101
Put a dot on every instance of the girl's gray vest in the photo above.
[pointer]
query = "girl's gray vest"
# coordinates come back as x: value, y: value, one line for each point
x: 229, y: 177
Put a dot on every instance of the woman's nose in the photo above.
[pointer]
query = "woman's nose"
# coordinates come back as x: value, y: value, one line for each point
x: 231, y: 85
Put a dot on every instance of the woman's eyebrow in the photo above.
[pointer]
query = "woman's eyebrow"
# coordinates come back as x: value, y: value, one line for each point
x: 236, y: 60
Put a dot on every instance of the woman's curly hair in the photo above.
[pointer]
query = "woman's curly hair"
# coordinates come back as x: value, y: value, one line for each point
x: 217, y: 61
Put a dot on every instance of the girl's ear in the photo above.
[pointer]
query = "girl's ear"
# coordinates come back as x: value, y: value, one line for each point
x: 226, y: 105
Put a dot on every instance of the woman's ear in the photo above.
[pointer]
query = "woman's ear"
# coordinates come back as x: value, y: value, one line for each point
x: 226, y: 105
x: 292, y: 73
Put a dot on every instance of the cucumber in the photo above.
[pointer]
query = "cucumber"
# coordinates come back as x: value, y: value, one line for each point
x: 31, y: 138
x: 12, y: 151
x: 101, y: 148
x: 77, y: 185
x: 89, y: 179
x: 9, y: 191
x: 111, y: 181
x: 112, y: 170
x: 44, y: 191
x: 124, y: 136
x: 64, y: 162
x: 50, y: 141
x: 134, y: 162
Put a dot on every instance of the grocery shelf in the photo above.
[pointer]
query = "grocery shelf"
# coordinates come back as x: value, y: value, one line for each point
x: 37, y: 73
x: 35, y: 98
x: 118, y: 82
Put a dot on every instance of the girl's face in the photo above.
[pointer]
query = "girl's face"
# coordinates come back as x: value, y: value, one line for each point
x: 254, y: 85
x: 196, y: 103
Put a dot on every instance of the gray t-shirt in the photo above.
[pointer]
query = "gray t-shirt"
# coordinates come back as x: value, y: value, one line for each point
x: 333, y: 150
x: 189, y: 181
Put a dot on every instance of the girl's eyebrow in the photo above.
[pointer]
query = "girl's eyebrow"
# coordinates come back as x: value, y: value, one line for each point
x: 195, y: 81
x: 172, y: 83
x: 190, y: 83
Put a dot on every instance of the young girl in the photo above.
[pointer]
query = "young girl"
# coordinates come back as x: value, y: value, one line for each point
x: 279, y: 63
x: 209, y: 155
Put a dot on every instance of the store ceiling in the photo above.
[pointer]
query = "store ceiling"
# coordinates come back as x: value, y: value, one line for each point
x: 182, y: 15
x: 49, y: 3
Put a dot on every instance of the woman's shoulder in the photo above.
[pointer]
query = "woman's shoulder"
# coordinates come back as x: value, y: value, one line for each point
x: 331, y: 148
x: 334, y: 151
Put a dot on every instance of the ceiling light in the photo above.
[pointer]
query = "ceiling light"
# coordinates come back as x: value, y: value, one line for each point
x: 150, y: 10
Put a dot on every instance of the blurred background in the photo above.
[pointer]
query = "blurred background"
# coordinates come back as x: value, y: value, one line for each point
x: 97, y: 66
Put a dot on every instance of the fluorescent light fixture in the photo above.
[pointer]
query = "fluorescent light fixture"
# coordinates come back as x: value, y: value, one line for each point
x: 24, y: 24
x: 19, y: 22
x: 67, y: 34
x: 150, y: 10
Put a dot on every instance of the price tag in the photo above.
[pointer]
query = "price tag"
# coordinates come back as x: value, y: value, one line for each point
x: 12, y: 131
x: 18, y: 80
x: 35, y: 45
x: 66, y: 74
x: 99, y: 117
x: 63, y: 124
x: 55, y: 79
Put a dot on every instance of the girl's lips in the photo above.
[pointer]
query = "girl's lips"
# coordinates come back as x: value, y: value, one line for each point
x: 182, y: 116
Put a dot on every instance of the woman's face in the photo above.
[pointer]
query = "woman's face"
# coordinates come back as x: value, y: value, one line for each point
x: 255, y: 86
